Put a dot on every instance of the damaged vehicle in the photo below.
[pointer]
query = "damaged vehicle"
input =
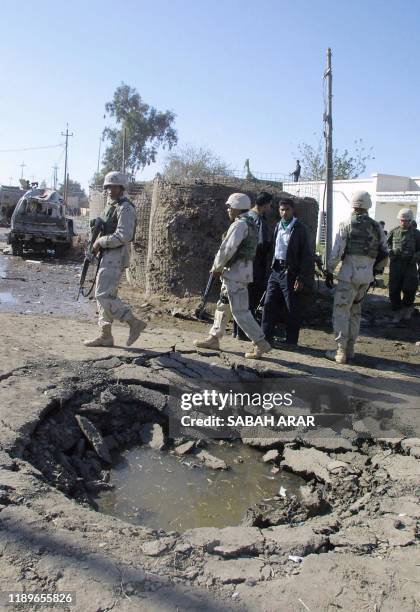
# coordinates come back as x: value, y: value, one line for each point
x: 39, y: 223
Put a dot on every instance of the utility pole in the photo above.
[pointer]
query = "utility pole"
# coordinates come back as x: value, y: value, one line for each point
x: 10, y: 180
x: 22, y: 165
x: 65, y: 182
x: 55, y: 168
x: 328, y: 156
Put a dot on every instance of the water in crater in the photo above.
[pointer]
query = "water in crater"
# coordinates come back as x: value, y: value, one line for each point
x: 162, y: 491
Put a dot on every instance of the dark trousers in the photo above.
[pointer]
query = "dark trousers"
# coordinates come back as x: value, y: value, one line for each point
x: 280, y: 292
x: 403, y: 278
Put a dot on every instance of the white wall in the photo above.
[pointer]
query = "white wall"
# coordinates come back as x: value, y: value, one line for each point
x: 388, y: 182
x: 382, y: 210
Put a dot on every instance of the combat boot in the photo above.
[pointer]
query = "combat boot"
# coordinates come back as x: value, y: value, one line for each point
x: 260, y: 347
x: 136, y: 327
x: 104, y: 339
x: 211, y: 342
x: 339, y: 356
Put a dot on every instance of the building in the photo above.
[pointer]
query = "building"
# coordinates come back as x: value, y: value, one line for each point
x: 389, y: 194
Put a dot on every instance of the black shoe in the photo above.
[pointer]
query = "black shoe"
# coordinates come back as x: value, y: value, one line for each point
x: 242, y: 336
x: 282, y: 343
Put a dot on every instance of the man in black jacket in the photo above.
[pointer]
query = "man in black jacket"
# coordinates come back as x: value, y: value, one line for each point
x: 291, y: 273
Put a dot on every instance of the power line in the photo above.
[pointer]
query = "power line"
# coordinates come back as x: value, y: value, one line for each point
x: 31, y: 148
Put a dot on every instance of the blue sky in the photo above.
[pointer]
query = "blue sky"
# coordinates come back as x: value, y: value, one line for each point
x: 243, y: 77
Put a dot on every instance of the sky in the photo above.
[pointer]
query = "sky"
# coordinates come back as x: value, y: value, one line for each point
x: 244, y: 78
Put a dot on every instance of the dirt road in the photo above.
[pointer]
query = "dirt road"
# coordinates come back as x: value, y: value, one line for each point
x: 354, y: 548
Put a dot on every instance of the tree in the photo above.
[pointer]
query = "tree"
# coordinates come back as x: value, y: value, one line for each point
x: 143, y: 128
x: 189, y: 162
x: 345, y: 165
x: 74, y: 189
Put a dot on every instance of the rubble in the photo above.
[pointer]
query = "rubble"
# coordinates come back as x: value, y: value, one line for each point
x: 210, y: 461
x: 307, y: 461
x: 271, y: 455
x: 184, y: 448
x: 236, y: 541
x: 94, y: 437
x: 152, y: 435
x: 299, y: 541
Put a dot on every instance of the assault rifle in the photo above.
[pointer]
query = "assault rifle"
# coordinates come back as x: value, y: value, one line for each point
x: 96, y: 229
x: 200, y: 308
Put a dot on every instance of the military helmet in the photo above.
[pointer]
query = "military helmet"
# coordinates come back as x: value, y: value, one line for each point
x: 406, y: 214
x: 239, y: 201
x: 115, y: 178
x: 361, y: 199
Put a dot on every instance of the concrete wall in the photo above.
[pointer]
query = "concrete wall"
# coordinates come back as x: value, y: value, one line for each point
x: 180, y: 228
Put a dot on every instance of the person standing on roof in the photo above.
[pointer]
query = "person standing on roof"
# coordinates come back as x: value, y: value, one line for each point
x: 119, y: 226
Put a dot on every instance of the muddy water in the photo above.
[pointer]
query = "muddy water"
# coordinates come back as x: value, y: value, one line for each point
x: 36, y: 285
x: 160, y: 490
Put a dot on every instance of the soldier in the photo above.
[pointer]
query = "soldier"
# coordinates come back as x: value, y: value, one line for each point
x: 234, y: 262
x: 257, y: 288
x: 404, y: 253
x: 361, y: 246
x: 119, y: 220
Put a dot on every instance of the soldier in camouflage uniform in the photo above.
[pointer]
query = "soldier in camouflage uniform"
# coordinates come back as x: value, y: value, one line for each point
x: 234, y: 262
x: 119, y: 223
x: 404, y: 252
x: 360, y: 245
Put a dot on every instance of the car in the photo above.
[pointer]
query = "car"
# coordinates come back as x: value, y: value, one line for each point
x: 39, y: 223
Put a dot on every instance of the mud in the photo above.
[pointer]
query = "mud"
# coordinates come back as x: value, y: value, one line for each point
x: 348, y: 540
x: 36, y: 284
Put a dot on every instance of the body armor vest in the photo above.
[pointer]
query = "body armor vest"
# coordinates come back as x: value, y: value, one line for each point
x: 363, y: 236
x: 404, y: 242
x: 248, y: 247
x: 110, y: 217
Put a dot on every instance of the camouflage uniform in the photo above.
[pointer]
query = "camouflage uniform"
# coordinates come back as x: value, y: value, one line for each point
x: 404, y: 245
x: 357, y: 245
x: 235, y: 261
x: 120, y: 222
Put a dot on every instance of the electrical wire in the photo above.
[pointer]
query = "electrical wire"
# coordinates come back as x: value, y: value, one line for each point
x: 31, y: 148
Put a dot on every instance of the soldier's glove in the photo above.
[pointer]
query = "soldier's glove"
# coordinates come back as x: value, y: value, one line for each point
x: 329, y: 280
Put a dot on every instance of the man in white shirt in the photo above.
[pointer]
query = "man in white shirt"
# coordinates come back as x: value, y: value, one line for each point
x: 234, y: 262
x: 292, y: 272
